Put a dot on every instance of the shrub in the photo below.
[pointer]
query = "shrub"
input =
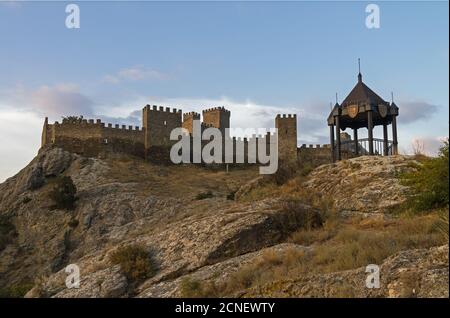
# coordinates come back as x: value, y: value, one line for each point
x: 442, y: 224
x: 72, y: 119
x: 15, y: 291
x: 26, y: 200
x: 63, y: 193
x: 193, y: 288
x: 204, y: 195
x: 429, y: 183
x: 7, y: 231
x: 135, y: 262
x: 73, y: 223
x: 230, y: 195
x: 302, y: 216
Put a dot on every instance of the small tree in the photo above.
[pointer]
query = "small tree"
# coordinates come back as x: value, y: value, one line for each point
x: 72, y: 119
x: 135, y: 262
x: 63, y: 193
x: 429, y: 182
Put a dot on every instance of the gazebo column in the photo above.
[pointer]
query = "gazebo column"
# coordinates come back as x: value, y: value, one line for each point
x: 385, y: 140
x: 332, y: 143
x: 338, y: 138
x: 394, y: 136
x: 355, y: 139
x: 370, y: 131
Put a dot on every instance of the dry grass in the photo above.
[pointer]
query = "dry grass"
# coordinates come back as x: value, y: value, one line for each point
x: 338, y: 246
x: 184, y: 180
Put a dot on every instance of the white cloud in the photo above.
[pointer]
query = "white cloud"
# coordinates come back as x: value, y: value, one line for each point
x: 20, y: 137
x: 135, y: 73
x: 53, y: 101
x: 312, y: 127
x: 428, y: 145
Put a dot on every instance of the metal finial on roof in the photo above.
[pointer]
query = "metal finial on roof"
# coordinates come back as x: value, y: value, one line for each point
x: 359, y: 70
x: 336, y: 98
x: 392, y: 97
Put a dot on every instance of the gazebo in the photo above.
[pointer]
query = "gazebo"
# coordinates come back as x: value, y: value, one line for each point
x: 363, y: 108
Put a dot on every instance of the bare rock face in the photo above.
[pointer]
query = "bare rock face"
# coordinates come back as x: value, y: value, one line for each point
x: 182, y: 233
x: 219, y: 272
x: 48, y: 163
x: 120, y: 203
x: 362, y: 185
x: 411, y: 273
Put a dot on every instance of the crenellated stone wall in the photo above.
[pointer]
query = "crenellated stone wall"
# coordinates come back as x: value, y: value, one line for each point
x: 94, y: 138
x: 314, y: 155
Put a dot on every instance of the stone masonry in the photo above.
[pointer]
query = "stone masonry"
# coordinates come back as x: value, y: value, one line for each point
x: 94, y: 138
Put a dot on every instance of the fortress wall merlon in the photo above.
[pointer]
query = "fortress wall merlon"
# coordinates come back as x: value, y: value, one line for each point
x: 193, y: 115
x: 214, y: 109
x: 161, y: 109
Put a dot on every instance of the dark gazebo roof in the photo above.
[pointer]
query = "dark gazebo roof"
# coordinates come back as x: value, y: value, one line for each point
x: 353, y: 110
x: 362, y: 94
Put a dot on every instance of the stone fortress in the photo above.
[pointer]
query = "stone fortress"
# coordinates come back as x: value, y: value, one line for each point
x: 362, y: 108
x: 93, y: 138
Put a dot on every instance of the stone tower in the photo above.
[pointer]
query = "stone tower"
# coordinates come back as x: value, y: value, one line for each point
x: 287, y: 137
x: 157, y: 124
x: 188, y: 120
x: 217, y: 117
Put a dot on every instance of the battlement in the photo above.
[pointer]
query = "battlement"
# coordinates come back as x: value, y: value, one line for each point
x: 193, y: 115
x: 92, y: 137
x: 286, y: 115
x: 316, y: 146
x: 215, y: 109
x: 87, y: 123
x: 156, y: 108
x: 206, y: 125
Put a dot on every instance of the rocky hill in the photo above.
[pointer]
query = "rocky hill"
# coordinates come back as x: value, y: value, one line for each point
x: 198, y: 232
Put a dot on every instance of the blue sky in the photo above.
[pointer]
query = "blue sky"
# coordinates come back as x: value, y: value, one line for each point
x: 256, y: 58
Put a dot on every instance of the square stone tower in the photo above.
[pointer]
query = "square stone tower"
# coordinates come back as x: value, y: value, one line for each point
x: 287, y: 137
x: 157, y: 124
x: 188, y: 120
x: 217, y: 117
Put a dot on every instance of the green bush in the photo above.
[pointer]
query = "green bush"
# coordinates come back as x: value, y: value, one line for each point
x: 429, y: 183
x: 7, y: 231
x: 15, y: 291
x: 135, y: 262
x: 72, y: 119
x: 63, y: 193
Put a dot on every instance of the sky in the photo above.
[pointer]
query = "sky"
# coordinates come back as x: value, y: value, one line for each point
x: 256, y: 58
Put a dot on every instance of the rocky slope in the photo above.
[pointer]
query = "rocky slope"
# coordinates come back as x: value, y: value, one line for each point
x: 364, y: 185
x: 125, y: 201
x: 412, y: 273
